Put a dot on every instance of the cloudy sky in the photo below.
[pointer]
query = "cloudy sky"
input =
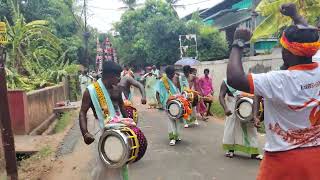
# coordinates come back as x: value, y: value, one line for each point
x: 102, y: 13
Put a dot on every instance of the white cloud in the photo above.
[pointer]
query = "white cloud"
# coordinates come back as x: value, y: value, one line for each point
x: 103, y: 13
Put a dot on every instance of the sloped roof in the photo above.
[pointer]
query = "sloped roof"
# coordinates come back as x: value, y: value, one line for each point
x: 189, y: 16
x: 232, y: 18
x: 226, y: 4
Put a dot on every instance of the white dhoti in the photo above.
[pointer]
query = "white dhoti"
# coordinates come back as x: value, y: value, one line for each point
x: 99, y: 169
x: 239, y: 136
x: 174, y: 128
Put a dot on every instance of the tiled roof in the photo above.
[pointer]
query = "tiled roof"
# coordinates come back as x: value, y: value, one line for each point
x: 226, y: 4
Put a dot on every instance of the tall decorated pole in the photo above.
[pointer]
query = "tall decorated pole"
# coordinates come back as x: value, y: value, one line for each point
x: 105, y: 52
x: 5, y: 121
x: 108, y: 50
x: 99, y: 57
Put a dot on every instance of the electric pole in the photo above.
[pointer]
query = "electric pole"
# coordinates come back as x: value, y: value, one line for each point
x: 86, y: 35
x: 5, y: 121
x: 254, y: 16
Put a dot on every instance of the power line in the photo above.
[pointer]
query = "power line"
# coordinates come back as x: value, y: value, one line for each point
x: 119, y: 9
x: 192, y: 3
x: 106, y: 9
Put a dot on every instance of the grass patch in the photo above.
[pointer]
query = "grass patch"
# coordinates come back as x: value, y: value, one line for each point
x: 63, y: 122
x: 42, y: 154
x: 216, y: 109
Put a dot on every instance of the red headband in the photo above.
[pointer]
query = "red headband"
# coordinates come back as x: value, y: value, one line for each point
x: 300, y: 49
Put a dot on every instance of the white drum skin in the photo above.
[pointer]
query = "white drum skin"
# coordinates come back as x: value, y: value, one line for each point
x: 175, y: 109
x: 114, y: 148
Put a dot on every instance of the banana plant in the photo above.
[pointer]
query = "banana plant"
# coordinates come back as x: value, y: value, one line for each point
x: 36, y: 57
x: 274, y: 20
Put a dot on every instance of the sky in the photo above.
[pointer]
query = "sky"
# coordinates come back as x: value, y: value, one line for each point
x: 102, y: 13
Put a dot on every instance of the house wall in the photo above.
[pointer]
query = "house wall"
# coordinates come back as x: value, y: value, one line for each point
x: 257, y: 64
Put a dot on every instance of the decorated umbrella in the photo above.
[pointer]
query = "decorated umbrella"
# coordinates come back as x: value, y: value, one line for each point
x: 187, y: 61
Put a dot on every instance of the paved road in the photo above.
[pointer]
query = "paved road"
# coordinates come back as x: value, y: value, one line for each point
x: 198, y: 157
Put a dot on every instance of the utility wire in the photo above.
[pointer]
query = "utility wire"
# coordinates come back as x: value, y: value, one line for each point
x: 192, y: 3
x: 119, y: 9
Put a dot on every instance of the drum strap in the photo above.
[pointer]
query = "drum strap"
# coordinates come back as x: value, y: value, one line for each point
x: 101, y: 102
x: 233, y: 91
x: 168, y: 84
x: 101, y: 99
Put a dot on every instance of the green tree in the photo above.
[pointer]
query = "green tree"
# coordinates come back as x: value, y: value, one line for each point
x: 173, y: 5
x: 36, y: 56
x: 275, y: 21
x: 64, y: 23
x: 212, y: 44
x: 131, y: 4
x: 149, y: 35
x: 5, y: 10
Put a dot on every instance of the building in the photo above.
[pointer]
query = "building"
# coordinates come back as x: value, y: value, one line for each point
x: 228, y: 15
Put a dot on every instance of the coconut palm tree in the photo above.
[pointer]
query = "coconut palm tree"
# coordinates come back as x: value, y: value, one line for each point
x: 173, y: 4
x: 130, y: 4
x: 275, y: 21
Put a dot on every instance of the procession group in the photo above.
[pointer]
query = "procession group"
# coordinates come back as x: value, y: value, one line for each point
x: 291, y: 98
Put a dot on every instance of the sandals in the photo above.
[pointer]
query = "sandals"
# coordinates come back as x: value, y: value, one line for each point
x: 257, y: 157
x: 205, y: 119
x: 196, y: 122
x: 229, y: 154
x: 172, y: 142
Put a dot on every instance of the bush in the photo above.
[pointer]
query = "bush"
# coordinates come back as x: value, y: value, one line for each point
x: 212, y: 44
x: 74, y: 87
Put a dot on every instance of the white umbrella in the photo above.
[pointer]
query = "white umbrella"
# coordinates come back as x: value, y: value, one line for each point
x: 187, y: 61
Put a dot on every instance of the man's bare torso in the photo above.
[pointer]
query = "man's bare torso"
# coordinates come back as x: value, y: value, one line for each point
x: 115, y: 95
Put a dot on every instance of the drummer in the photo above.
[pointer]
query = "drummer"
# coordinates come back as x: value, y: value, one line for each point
x: 237, y: 136
x: 186, y: 80
x: 168, y: 86
x: 291, y: 100
x: 114, y: 106
x: 125, y: 85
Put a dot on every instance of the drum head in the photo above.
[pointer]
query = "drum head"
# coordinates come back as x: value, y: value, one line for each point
x: 114, y: 148
x: 174, y: 109
x: 245, y: 109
